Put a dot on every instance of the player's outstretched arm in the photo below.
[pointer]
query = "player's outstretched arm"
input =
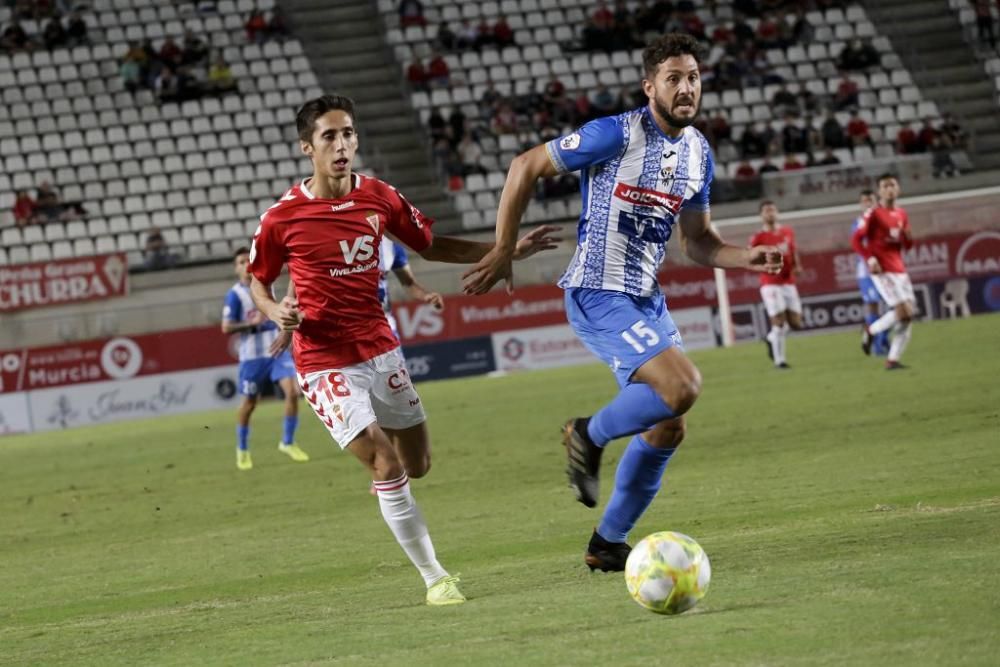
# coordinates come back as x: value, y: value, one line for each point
x: 417, y: 291
x: 524, y: 172
x: 285, y: 314
x: 702, y: 244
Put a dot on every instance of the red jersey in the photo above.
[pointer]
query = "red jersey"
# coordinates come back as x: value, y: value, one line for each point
x: 883, y: 234
x: 331, y: 247
x: 782, y: 238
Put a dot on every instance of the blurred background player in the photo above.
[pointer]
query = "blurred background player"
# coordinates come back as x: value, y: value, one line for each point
x: 392, y: 258
x: 642, y: 172
x: 869, y: 294
x: 328, y: 229
x: 881, y: 237
x: 258, y: 365
x: 778, y: 291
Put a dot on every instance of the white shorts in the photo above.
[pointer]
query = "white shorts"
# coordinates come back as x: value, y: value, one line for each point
x: 779, y: 298
x: 894, y: 288
x: 348, y: 400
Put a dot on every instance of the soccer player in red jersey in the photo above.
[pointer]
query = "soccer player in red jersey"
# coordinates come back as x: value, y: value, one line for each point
x: 328, y: 230
x: 881, y: 237
x: 780, y: 295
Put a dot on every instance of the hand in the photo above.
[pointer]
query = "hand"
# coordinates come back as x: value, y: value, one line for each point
x: 874, y: 267
x: 765, y: 258
x: 797, y: 271
x: 434, y: 299
x: 485, y: 273
x: 287, y: 315
x: 280, y: 343
x: 536, y: 240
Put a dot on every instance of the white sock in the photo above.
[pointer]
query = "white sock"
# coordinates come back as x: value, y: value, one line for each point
x: 883, y: 323
x: 777, y: 348
x: 401, y: 513
x: 900, y: 338
x: 782, y: 337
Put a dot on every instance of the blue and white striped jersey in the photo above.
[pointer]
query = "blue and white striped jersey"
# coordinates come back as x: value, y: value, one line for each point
x: 634, y: 181
x: 862, y: 270
x: 237, y: 308
x: 391, y: 256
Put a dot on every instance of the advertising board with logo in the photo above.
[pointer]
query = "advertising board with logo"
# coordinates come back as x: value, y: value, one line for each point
x: 540, y: 347
x: 436, y: 361
x: 62, y: 281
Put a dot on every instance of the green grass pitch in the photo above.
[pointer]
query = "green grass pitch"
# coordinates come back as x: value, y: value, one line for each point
x: 852, y: 517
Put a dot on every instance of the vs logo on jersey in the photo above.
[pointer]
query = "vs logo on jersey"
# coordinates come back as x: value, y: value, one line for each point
x: 360, y: 249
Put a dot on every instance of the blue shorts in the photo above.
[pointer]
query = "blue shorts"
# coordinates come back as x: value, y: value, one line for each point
x: 868, y: 292
x: 621, y: 330
x: 255, y: 372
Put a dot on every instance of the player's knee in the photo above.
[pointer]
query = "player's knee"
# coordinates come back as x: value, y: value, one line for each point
x: 419, y: 468
x: 682, y: 391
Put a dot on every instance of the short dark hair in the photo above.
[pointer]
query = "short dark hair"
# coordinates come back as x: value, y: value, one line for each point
x: 886, y: 176
x: 669, y: 46
x: 867, y: 193
x: 766, y: 202
x: 305, y: 119
x: 242, y: 250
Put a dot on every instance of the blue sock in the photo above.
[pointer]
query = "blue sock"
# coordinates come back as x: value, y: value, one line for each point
x: 288, y: 436
x: 636, y: 482
x: 635, y: 409
x: 880, y: 341
x: 242, y: 434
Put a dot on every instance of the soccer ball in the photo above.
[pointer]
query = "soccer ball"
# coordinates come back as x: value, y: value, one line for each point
x: 667, y: 573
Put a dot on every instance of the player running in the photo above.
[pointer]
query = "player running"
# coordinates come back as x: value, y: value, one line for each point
x: 257, y: 365
x: 778, y: 291
x: 328, y: 230
x: 881, y: 237
x: 643, y: 172
x: 869, y: 294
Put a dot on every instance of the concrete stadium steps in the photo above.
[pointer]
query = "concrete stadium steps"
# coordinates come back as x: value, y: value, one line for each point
x: 928, y: 37
x: 345, y: 43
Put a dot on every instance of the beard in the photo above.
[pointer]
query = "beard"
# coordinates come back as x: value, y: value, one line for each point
x: 674, y: 121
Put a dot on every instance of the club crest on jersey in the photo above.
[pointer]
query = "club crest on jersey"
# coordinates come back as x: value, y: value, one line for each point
x: 570, y: 142
x: 647, y: 197
x: 372, y: 219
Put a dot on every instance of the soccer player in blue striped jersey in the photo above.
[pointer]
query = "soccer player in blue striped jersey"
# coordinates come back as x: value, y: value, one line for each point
x: 643, y: 173
x: 869, y: 294
x: 260, y: 361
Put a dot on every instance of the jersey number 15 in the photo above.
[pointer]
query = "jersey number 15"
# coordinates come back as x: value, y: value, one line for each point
x: 644, y: 337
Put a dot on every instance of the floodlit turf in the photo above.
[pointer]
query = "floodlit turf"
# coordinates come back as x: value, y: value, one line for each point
x: 852, y: 517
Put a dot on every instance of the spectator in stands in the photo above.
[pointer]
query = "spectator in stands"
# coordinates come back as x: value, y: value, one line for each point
x: 220, y: 76
x: 437, y: 125
x: 802, y: 31
x: 602, y: 101
x: 784, y: 102
x: 468, y: 36
x: 954, y: 131
x: 746, y: 7
x: 857, y: 55
x: 767, y: 167
x: 416, y: 75
x: 793, y: 137
x: 255, y: 27
x: 808, y: 100
x: 149, y: 61
x: 14, y: 38
x: 503, y: 35
x: 189, y: 87
x: 277, y: 29
x: 48, y: 208
x: 984, y: 22
x: 907, y: 141
x: 76, y: 30
x: 832, y: 132
x: 170, y: 53
x: 768, y: 35
x: 54, y: 34
x: 193, y: 50
x: 744, y: 172
x: 131, y: 73
x: 941, y: 162
x: 719, y: 128
x: 456, y: 124
x: 753, y: 143
x: 603, y: 18
x: 24, y: 208
x: 411, y: 12
x: 847, y: 93
x: 504, y: 120
x: 792, y: 163
x: 484, y: 34
x: 471, y: 154
x: 928, y: 133
x: 445, y: 38
x: 857, y: 131
x: 490, y: 101
x: 167, y: 86
x: 156, y: 255
x: 828, y: 159
x: 438, y: 74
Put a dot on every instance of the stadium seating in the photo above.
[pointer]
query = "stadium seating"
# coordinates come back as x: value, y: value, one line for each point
x: 543, y: 28
x: 66, y: 118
